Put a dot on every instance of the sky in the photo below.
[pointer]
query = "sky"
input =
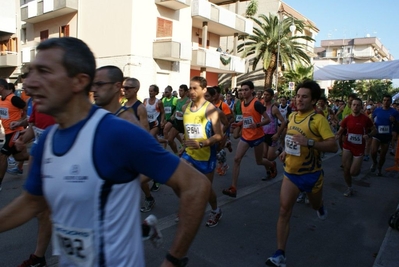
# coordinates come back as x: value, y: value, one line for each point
x: 338, y: 19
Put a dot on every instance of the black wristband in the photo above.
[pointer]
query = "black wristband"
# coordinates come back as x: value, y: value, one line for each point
x: 177, y: 262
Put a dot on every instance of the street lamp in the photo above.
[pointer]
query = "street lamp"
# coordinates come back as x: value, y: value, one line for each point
x: 292, y: 29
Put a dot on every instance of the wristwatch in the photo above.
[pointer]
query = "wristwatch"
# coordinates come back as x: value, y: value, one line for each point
x: 310, y: 143
x: 201, y: 145
x: 177, y: 262
x: 257, y: 125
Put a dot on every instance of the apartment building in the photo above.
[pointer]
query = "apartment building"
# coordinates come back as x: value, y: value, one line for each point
x: 163, y: 42
x: 9, y: 40
x: 277, y: 8
x: 355, y: 50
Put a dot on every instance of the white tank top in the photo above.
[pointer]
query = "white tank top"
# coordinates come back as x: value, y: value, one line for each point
x: 152, y: 112
x: 94, y: 220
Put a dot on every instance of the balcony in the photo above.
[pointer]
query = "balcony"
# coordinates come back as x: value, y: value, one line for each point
x: 212, y: 61
x: 174, y: 4
x: 220, y: 20
x: 171, y: 50
x: 8, y: 59
x: 41, y: 10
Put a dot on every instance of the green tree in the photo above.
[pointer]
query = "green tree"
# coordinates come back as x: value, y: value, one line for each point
x: 296, y: 75
x: 341, y: 89
x: 263, y: 44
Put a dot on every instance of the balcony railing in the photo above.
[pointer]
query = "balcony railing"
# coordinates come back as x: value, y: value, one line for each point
x: 174, y: 4
x: 8, y: 59
x: 171, y: 50
x: 217, y: 62
x: 37, y: 11
x: 220, y: 20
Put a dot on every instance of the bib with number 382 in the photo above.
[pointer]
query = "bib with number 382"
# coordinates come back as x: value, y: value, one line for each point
x: 77, y: 244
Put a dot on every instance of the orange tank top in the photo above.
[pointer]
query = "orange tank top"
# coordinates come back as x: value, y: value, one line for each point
x: 250, y: 116
x: 9, y: 113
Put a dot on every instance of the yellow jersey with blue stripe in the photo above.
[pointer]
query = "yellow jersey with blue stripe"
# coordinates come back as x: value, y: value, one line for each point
x: 302, y: 159
x: 198, y: 127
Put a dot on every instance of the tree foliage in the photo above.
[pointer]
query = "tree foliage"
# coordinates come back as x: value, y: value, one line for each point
x: 262, y: 45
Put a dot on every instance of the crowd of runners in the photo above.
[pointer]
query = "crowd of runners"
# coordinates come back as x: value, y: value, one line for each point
x: 85, y: 173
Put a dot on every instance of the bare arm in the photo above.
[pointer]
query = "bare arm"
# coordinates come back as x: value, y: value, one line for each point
x: 277, y: 114
x: 142, y: 113
x: 21, y: 210
x: 193, y: 189
x: 327, y: 145
x: 162, y: 111
x: 129, y: 116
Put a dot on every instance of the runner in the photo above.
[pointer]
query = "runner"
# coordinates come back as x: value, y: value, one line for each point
x: 202, y: 132
x: 384, y: 119
x: 252, y: 133
x: 359, y: 128
x: 272, y: 134
x: 308, y: 134
x: 238, y: 114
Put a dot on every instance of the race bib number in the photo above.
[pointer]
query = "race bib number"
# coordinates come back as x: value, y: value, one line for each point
x: 4, y: 113
x: 238, y: 118
x: 355, y: 138
x: 168, y: 110
x: 247, y: 121
x: 38, y: 132
x: 74, y: 243
x: 292, y: 147
x: 151, y: 117
x: 383, y: 129
x: 194, y: 131
x: 179, y: 115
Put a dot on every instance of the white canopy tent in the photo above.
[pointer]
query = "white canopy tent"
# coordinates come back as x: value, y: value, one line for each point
x: 364, y: 71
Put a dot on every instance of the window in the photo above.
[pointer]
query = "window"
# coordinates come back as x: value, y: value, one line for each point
x: 8, y: 46
x: 349, y: 49
x: 200, y: 42
x: 43, y: 35
x: 164, y: 28
x: 64, y: 31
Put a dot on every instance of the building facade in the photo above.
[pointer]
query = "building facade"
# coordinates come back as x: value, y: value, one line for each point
x: 163, y: 42
x: 277, y: 8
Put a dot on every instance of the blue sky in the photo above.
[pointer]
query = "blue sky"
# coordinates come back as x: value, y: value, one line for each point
x: 353, y: 18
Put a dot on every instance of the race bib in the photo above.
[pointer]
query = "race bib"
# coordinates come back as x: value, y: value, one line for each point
x: 4, y: 113
x: 292, y: 147
x: 179, y: 115
x: 383, y: 129
x: 38, y: 132
x: 151, y: 117
x: 238, y: 118
x: 194, y: 131
x: 168, y: 110
x: 355, y: 138
x: 247, y: 121
x: 74, y: 243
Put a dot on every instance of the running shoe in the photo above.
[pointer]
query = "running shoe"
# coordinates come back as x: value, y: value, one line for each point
x: 15, y: 171
x: 148, y: 205
x: 301, y: 197
x: 231, y: 191
x: 322, y: 213
x: 277, y: 260
x: 11, y: 160
x: 373, y: 167
x: 349, y: 192
x: 214, y: 218
x: 223, y: 170
x: 155, y: 187
x: 34, y: 261
x: 151, y: 231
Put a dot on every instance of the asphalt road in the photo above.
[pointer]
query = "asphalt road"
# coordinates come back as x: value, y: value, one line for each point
x: 246, y: 235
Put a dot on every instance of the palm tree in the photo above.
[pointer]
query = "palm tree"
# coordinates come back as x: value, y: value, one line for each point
x: 269, y: 31
x: 298, y: 74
